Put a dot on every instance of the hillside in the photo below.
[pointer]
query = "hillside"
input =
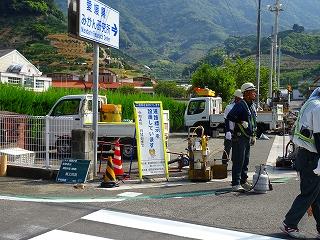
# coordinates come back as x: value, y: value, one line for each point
x: 167, y: 36
x: 184, y: 30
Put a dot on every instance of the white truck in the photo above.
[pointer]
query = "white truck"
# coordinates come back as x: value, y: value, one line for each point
x: 75, y: 111
x: 207, y: 112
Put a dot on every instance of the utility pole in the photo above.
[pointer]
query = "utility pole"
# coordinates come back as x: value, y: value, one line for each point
x: 258, y: 56
x: 276, y: 9
x: 271, y: 67
x: 279, y: 59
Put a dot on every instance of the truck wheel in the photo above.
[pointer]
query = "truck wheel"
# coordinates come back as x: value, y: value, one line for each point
x: 127, y: 150
x: 63, y: 146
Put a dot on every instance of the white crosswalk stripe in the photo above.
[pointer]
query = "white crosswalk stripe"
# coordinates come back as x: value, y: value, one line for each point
x: 58, y: 234
x: 176, y: 229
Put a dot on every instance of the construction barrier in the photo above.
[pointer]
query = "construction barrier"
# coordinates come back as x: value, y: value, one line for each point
x: 109, y: 178
x: 117, y: 161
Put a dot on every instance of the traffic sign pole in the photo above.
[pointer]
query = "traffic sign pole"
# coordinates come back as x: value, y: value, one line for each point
x: 95, y: 106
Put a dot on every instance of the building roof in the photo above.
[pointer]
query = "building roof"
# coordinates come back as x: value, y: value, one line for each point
x: 88, y: 85
x: 4, y: 52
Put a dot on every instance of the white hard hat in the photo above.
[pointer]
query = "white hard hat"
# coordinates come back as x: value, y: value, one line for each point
x: 247, y: 87
x: 238, y: 93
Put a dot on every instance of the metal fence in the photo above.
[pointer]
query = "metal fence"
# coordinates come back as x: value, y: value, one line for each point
x: 33, y: 141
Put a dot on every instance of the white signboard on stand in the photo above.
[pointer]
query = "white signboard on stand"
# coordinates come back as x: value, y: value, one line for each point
x: 99, y: 23
x: 151, y: 146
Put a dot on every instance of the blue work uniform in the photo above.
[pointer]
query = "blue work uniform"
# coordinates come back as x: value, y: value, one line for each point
x: 242, y: 111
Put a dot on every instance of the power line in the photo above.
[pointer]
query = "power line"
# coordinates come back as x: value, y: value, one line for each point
x: 255, y: 1
x: 232, y: 16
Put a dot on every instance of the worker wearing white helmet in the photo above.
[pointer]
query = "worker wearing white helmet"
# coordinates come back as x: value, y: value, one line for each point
x: 229, y: 126
x: 307, y: 138
x: 244, y: 115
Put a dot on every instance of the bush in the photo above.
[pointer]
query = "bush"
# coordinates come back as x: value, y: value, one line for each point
x: 19, y: 100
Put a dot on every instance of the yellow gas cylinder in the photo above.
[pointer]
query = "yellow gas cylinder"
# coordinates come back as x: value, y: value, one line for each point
x: 117, y: 113
x: 106, y: 112
x: 111, y: 113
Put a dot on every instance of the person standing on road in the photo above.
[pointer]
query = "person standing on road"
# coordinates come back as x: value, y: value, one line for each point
x: 244, y: 115
x: 307, y: 138
x: 229, y: 126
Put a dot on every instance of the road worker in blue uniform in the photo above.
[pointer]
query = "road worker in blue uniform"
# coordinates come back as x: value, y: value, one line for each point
x: 229, y: 126
x: 307, y: 138
x: 244, y: 115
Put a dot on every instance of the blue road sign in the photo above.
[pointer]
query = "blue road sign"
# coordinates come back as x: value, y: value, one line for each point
x: 99, y: 23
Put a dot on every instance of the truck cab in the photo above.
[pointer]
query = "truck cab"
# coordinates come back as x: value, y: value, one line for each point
x: 77, y: 107
x: 199, y: 109
x: 69, y: 112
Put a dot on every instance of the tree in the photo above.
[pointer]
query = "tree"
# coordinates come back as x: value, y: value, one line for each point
x: 169, y: 89
x: 127, y: 89
x: 304, y: 89
x: 148, y: 83
x: 224, y: 80
x: 244, y: 70
x: 215, y: 57
x: 217, y: 79
x: 297, y: 28
x: 39, y: 31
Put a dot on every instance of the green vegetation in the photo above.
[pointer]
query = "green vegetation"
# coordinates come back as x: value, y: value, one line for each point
x: 173, y: 38
x: 184, y: 31
x: 29, y: 7
x: 18, y: 100
x: 300, y: 57
x: 301, y: 44
x: 170, y: 89
x: 230, y: 76
x: 215, y: 57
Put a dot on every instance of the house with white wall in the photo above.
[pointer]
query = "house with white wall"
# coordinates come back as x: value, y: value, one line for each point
x: 16, y: 69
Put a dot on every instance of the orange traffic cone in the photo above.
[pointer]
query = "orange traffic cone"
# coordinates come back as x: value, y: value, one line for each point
x: 117, y: 162
x: 109, y: 178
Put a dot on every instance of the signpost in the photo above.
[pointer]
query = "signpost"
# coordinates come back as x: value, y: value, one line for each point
x: 92, y: 20
x: 73, y: 171
x: 99, y: 23
x: 152, y: 157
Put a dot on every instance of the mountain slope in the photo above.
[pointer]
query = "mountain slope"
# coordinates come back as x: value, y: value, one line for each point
x: 184, y: 30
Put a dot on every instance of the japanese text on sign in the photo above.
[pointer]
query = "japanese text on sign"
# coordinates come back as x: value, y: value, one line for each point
x: 99, y: 23
x: 150, y: 136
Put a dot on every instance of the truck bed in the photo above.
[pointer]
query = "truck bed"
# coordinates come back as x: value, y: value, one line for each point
x: 265, y: 117
x: 115, y: 129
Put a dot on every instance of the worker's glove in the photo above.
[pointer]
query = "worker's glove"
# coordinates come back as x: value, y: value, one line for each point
x: 245, y: 124
x: 317, y: 170
x: 228, y: 136
x: 253, y: 140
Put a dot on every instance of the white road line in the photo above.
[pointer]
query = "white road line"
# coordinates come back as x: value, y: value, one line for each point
x: 170, y: 227
x: 277, y: 149
x: 58, y: 234
x: 61, y: 200
x: 129, y: 194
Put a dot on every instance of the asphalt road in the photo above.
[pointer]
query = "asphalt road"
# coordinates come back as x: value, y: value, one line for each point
x: 30, y: 208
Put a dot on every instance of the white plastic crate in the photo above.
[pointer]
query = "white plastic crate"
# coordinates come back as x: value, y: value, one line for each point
x: 19, y: 156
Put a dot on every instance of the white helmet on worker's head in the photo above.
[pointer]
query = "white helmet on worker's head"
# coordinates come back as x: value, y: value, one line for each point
x: 238, y: 93
x: 247, y: 87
